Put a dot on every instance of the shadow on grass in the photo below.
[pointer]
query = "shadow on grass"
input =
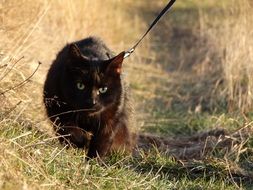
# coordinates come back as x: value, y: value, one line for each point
x: 209, y: 173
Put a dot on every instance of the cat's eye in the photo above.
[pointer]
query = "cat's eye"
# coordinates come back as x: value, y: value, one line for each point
x: 102, y: 90
x: 80, y: 85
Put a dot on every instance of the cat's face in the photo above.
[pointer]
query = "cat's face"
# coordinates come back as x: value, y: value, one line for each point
x: 92, y: 85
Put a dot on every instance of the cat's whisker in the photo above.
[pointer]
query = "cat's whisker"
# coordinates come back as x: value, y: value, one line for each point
x: 63, y: 113
x: 71, y: 111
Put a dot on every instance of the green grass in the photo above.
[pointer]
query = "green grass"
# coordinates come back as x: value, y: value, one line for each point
x: 171, y: 99
x: 33, y: 158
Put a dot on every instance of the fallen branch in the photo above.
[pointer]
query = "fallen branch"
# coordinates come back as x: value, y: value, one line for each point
x: 23, y: 82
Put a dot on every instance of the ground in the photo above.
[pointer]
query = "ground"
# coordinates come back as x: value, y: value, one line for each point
x: 184, y: 77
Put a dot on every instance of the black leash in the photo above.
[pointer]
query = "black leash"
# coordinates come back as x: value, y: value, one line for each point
x: 168, y: 6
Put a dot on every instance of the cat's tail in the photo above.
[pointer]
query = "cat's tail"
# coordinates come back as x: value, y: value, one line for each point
x: 195, y: 146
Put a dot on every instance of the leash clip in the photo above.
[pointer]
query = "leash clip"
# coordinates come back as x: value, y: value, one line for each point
x: 128, y: 53
x: 165, y: 9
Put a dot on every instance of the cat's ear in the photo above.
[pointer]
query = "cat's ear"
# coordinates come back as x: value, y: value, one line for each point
x: 115, y: 64
x: 74, y: 51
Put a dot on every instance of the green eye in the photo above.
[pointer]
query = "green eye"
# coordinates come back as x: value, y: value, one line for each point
x: 102, y: 90
x: 80, y: 85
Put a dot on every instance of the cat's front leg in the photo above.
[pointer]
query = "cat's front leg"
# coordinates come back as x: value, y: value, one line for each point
x: 74, y: 136
x: 100, y: 145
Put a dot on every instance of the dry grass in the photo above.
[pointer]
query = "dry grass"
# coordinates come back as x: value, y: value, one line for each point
x: 35, y: 31
x: 234, y: 41
x: 191, y: 64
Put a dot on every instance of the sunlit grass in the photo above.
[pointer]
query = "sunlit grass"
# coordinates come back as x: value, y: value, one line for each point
x: 183, y: 82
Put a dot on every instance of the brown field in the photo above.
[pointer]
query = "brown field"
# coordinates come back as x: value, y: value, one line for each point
x: 196, y: 66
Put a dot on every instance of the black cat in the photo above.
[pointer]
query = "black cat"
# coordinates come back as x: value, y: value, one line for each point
x: 87, y: 99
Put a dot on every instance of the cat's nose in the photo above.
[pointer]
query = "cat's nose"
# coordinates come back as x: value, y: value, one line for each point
x: 93, y: 97
x: 91, y: 102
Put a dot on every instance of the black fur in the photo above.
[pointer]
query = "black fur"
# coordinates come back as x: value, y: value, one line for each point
x: 81, y: 71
